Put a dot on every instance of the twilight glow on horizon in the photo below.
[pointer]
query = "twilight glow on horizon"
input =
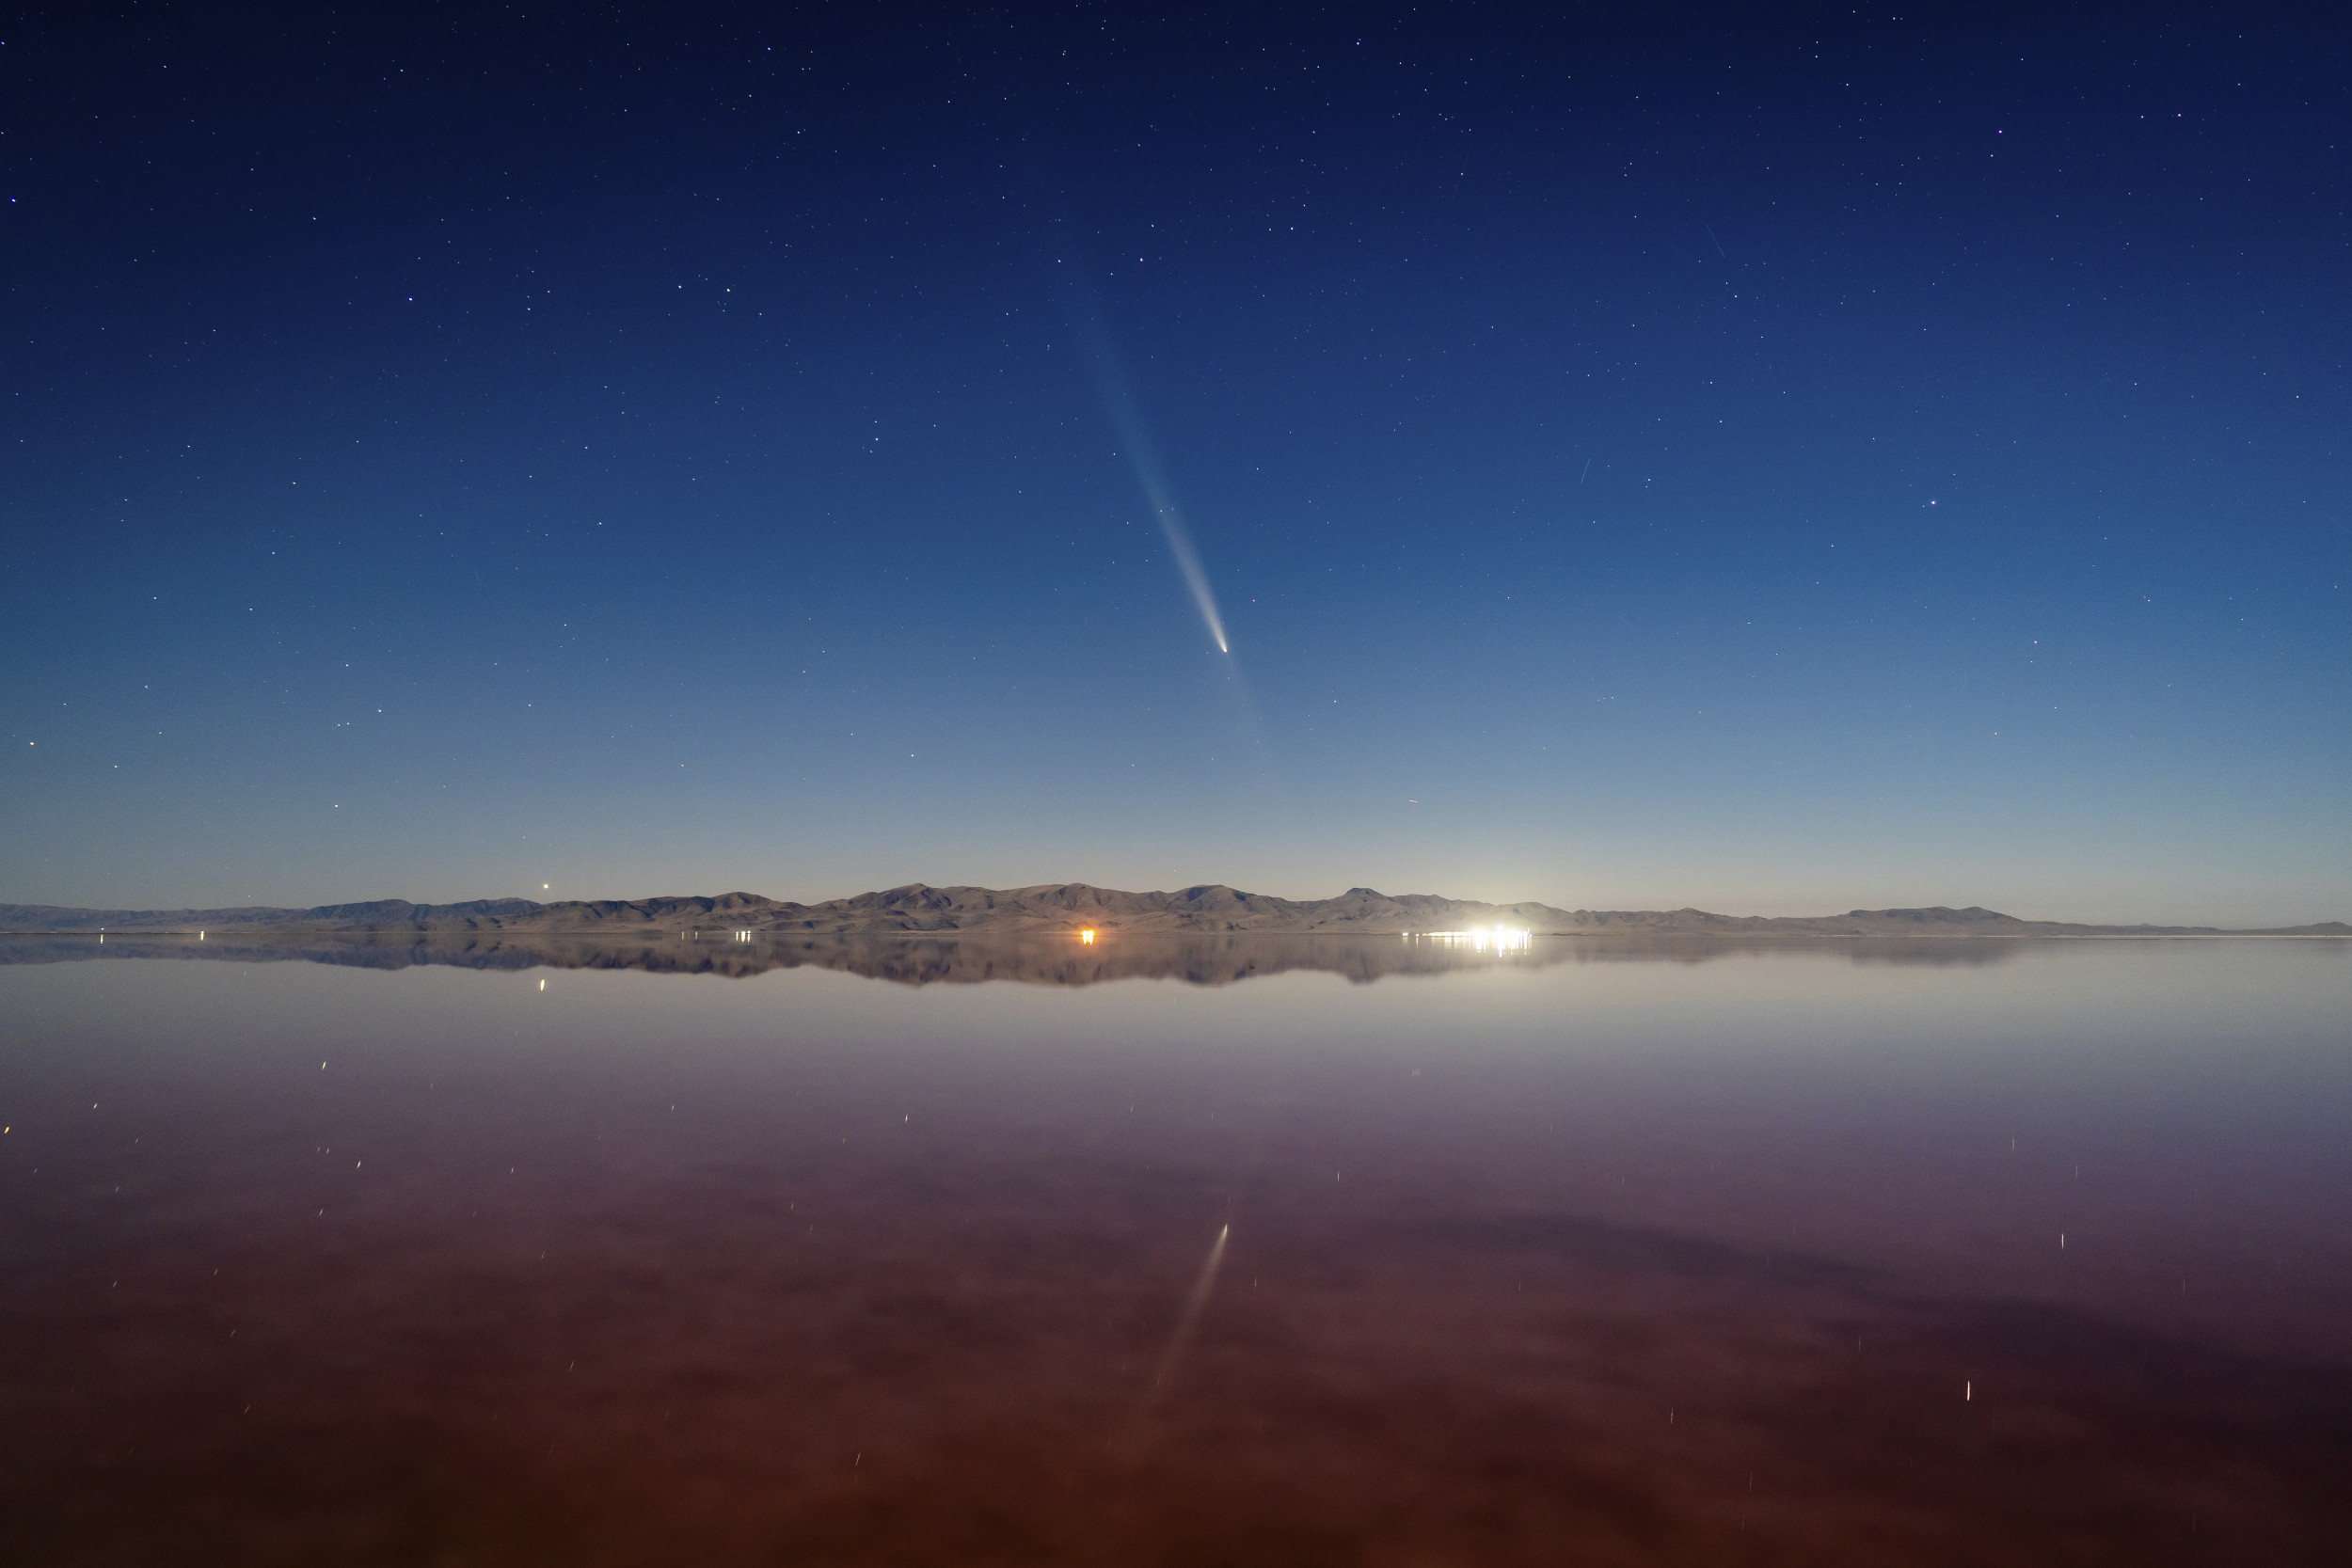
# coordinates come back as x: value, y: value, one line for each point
x: 1778, y: 462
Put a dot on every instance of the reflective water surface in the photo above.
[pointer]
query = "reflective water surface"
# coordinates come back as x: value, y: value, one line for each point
x: 1301, y: 1251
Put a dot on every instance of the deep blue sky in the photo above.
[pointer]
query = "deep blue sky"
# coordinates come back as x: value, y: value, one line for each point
x: 1770, y: 460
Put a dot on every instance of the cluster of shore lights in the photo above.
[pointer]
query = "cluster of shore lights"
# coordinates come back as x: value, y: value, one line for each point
x: 1497, y: 938
x: 1086, y: 938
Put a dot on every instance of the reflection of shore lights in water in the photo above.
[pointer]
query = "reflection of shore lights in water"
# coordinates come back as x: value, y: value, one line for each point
x: 1486, y: 939
x: 1086, y: 936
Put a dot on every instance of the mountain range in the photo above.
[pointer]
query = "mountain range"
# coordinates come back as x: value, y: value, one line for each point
x: 1068, y: 906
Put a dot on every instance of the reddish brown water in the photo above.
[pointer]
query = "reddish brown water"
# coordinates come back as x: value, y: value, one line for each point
x: 1605, y: 1255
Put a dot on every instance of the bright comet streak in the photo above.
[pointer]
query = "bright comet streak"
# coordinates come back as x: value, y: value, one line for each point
x: 1118, y: 400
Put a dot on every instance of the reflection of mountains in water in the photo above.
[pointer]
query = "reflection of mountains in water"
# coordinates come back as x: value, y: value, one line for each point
x: 1218, y: 960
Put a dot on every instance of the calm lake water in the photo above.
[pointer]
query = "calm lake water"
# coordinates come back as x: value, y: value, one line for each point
x: 1376, y: 1253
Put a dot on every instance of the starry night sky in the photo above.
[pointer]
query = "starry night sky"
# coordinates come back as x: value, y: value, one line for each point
x: 1774, y: 460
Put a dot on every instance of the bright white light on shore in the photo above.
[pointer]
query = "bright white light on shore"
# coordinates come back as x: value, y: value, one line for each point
x: 1086, y: 936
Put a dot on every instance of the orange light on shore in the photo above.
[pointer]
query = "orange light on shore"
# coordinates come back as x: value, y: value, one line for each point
x: 1086, y: 936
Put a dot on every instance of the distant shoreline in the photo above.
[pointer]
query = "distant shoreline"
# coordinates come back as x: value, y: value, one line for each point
x: 973, y: 934
x: 1068, y: 907
x: 268, y: 931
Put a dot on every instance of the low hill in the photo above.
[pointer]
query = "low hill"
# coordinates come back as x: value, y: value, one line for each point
x: 1062, y: 907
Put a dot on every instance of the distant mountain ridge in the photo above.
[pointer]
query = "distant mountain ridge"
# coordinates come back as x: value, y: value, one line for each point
x: 1062, y: 907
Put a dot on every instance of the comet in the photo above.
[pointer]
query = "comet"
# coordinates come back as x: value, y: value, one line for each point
x: 1119, y: 403
x: 1143, y: 459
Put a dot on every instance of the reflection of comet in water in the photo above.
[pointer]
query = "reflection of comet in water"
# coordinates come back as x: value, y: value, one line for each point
x: 1181, y: 1340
